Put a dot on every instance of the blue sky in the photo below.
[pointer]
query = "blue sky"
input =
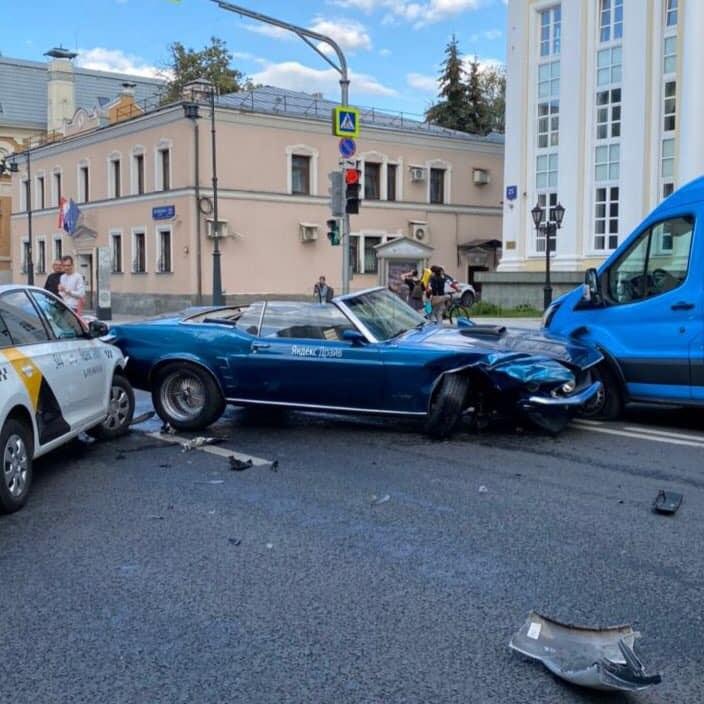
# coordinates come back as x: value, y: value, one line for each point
x: 394, y: 47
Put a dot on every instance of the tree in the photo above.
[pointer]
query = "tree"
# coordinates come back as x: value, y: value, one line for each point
x: 493, y: 80
x: 476, y: 107
x: 452, y: 111
x: 212, y: 62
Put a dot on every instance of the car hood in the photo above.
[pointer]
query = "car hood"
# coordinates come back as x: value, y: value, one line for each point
x: 492, y: 339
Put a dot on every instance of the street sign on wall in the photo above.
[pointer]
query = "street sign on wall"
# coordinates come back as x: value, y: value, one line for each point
x: 164, y: 212
x: 511, y: 192
x: 345, y: 122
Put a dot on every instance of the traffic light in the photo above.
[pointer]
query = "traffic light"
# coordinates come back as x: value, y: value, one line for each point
x: 337, y: 194
x: 352, y: 177
x: 334, y: 231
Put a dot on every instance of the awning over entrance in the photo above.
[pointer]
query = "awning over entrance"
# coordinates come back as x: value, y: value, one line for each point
x: 480, y: 244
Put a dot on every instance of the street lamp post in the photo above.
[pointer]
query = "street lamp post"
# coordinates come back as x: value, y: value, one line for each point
x: 549, y: 228
x: 217, y: 273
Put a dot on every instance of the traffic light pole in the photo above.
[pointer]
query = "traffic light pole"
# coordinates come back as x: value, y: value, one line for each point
x: 307, y: 35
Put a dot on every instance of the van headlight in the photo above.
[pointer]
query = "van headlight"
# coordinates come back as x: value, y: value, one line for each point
x: 549, y: 314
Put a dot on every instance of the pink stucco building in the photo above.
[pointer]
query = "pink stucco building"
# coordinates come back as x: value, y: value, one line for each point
x: 143, y: 186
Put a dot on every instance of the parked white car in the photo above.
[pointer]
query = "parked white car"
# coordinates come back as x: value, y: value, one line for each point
x: 56, y: 381
x: 465, y: 292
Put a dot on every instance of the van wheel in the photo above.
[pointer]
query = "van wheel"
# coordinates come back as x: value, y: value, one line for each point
x: 446, y: 406
x: 186, y: 396
x: 608, y: 403
x: 120, y: 411
x: 16, y: 449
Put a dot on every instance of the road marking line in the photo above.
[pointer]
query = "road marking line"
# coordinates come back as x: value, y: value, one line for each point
x: 588, y: 422
x: 664, y: 433
x: 640, y: 436
x: 212, y: 449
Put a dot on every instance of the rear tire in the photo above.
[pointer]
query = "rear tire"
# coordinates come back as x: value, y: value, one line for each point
x: 608, y: 404
x: 186, y: 396
x: 16, y: 450
x: 446, y: 406
x: 120, y: 412
x: 467, y: 299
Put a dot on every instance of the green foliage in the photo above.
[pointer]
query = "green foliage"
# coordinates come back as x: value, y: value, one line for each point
x: 452, y: 111
x: 491, y: 310
x: 213, y: 63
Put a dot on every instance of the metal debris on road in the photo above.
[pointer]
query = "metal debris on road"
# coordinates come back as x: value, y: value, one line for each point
x: 667, y: 502
x: 376, y: 500
x: 166, y: 429
x: 200, y: 441
x: 234, y: 541
x: 164, y: 465
x: 237, y: 465
x: 269, y: 546
x: 144, y: 417
x: 274, y: 466
x: 483, y: 490
x: 599, y: 658
x: 155, y: 518
x: 85, y: 438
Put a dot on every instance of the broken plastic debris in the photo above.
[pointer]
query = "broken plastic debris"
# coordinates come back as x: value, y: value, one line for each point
x: 234, y: 541
x: 269, y: 546
x: 145, y: 416
x: 274, y: 466
x: 667, y: 501
x: 376, y: 500
x: 237, y: 465
x: 166, y: 429
x: 200, y: 441
x: 155, y: 518
x: 599, y: 658
x: 85, y: 438
x: 483, y: 489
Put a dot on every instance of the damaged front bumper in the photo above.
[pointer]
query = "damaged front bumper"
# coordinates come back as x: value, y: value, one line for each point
x: 578, y: 398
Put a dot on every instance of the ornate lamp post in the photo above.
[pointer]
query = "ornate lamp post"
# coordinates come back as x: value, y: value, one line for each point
x: 549, y: 229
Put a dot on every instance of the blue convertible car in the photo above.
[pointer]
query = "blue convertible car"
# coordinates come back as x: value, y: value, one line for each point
x: 365, y: 352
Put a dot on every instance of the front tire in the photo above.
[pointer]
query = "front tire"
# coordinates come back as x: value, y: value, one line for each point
x: 186, y: 396
x: 446, y: 406
x: 16, y: 450
x: 120, y: 411
x: 608, y: 403
x: 467, y: 299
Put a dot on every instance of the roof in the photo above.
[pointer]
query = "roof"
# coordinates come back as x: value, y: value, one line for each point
x: 281, y: 101
x: 23, y: 90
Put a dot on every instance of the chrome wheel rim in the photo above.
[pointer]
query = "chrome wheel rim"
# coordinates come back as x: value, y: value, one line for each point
x: 119, y: 409
x: 15, y: 466
x: 182, y: 396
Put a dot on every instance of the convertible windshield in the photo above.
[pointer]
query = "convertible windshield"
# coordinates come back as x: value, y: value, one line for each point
x: 383, y: 314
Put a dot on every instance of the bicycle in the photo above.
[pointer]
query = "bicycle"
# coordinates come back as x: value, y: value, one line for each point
x: 457, y: 309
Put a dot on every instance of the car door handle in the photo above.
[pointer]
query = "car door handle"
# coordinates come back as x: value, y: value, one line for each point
x: 682, y: 305
x: 260, y: 346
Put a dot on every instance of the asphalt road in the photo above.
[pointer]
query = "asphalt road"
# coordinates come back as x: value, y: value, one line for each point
x: 139, y: 573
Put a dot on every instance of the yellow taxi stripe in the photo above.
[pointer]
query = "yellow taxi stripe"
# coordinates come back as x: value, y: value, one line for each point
x: 27, y: 371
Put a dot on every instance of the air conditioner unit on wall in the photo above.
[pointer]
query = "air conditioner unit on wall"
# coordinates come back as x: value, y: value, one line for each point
x: 307, y: 232
x: 420, y: 231
x: 480, y: 177
x: 417, y: 173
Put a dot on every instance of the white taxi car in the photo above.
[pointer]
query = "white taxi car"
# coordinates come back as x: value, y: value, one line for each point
x: 56, y: 381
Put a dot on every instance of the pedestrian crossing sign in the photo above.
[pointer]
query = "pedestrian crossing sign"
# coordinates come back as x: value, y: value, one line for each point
x: 345, y: 122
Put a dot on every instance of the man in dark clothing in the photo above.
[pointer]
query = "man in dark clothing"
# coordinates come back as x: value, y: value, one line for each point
x: 54, y: 279
x: 322, y: 293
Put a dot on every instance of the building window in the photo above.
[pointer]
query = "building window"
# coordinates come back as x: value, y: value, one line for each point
x: 607, y: 163
x: 165, y: 169
x: 115, y: 177
x: 116, y: 252
x: 41, y: 257
x: 139, y: 253
x: 550, y: 31
x: 300, y: 174
x: 58, y: 248
x: 608, y: 114
x: 547, y: 202
x: 549, y: 80
x: 670, y: 112
x: 138, y: 166
x: 667, y: 170
x: 611, y: 20
x: 437, y: 186
x: 671, y: 13
x: 362, y: 253
x: 670, y: 55
x: 41, y: 193
x: 546, y: 171
x: 371, y: 263
x: 668, y: 189
x: 606, y: 218
x: 57, y: 188
x: 83, y: 184
x: 548, y: 124
x: 164, y: 251
x: 25, y: 256
x: 391, y: 176
x: 24, y: 194
x: 608, y: 66
x: 372, y: 181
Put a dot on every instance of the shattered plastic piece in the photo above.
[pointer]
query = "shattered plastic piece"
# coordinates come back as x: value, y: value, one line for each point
x: 200, y: 441
x: 237, y: 465
x: 234, y: 541
x: 269, y: 546
x: 166, y: 429
x: 483, y: 490
x: 600, y: 658
x: 376, y: 500
x: 155, y: 518
x: 85, y: 438
x: 274, y: 466
x: 667, y: 502
x: 145, y: 416
x: 165, y: 465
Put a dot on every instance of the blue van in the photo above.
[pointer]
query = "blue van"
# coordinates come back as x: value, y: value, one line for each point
x: 644, y: 310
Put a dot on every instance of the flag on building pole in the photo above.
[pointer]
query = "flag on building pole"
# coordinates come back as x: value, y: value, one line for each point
x: 68, y: 218
x: 63, y: 208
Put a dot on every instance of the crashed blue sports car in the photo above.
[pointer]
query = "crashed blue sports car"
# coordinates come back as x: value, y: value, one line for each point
x: 365, y: 352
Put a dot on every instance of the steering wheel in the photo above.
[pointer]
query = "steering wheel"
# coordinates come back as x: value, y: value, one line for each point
x: 660, y: 277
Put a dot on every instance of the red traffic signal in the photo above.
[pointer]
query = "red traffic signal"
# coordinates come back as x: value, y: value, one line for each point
x: 352, y: 176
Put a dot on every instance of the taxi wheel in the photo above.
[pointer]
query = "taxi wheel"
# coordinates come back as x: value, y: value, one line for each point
x: 16, y: 465
x: 608, y: 403
x: 446, y: 406
x: 186, y: 396
x: 120, y: 411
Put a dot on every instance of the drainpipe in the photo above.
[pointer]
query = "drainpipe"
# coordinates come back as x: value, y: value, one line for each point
x: 199, y: 263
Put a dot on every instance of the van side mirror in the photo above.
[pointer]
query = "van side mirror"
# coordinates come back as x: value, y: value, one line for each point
x: 592, y: 288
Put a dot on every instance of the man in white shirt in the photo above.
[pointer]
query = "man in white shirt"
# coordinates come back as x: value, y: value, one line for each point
x: 72, y: 287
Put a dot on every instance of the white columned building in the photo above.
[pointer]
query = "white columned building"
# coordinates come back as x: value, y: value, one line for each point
x: 603, y: 108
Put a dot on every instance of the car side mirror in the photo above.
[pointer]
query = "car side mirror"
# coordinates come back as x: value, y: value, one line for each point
x: 353, y: 336
x: 97, y: 328
x: 592, y: 288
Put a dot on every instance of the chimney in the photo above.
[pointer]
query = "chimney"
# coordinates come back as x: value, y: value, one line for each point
x: 61, y: 97
x: 128, y: 89
x: 197, y: 91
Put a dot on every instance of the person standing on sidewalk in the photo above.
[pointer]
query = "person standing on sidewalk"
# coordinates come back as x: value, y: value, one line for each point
x: 54, y: 279
x: 322, y: 293
x: 72, y: 287
x: 436, y: 292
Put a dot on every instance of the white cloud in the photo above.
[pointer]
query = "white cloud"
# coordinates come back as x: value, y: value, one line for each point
x: 489, y: 34
x: 384, y: 52
x: 296, y: 76
x: 269, y: 30
x: 349, y: 34
x: 420, y: 81
x: 417, y: 12
x: 117, y: 61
